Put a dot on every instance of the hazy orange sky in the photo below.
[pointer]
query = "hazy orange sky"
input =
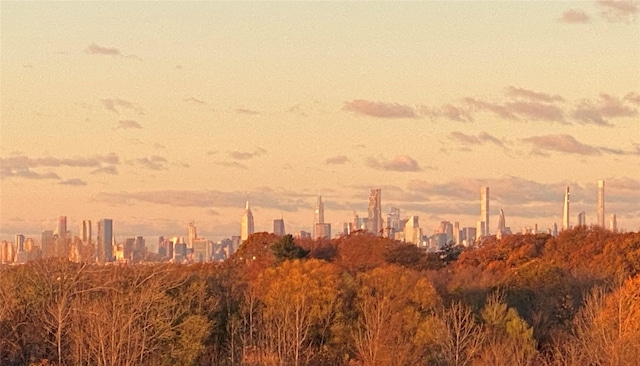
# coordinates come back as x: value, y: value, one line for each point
x: 156, y: 114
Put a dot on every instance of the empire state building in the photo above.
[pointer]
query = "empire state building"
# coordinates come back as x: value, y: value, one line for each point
x: 246, y: 224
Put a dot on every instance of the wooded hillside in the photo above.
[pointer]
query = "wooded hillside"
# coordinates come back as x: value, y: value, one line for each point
x: 358, y: 300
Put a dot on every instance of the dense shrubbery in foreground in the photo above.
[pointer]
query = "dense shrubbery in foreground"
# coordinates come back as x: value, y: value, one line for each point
x: 358, y: 300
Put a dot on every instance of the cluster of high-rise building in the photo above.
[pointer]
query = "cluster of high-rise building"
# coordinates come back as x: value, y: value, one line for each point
x: 582, y: 219
x: 105, y: 248
x: 409, y: 230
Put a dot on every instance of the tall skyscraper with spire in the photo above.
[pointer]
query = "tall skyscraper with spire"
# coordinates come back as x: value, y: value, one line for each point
x: 565, y: 211
x: 484, y: 211
x: 375, y: 212
x: 318, y: 214
x: 502, y: 226
x: 246, y: 224
x: 601, y: 203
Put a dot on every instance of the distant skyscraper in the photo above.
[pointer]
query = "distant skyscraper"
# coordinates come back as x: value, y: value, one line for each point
x: 105, y: 240
x: 502, y: 226
x: 192, y: 234
x: 446, y: 228
x: 613, y: 223
x: 393, y: 219
x: 456, y: 233
x: 318, y: 214
x: 62, y: 226
x: 565, y: 211
x: 323, y: 230
x: 601, y: 203
x: 393, y: 222
x: 278, y: 227
x: 469, y: 235
x: 201, y: 250
x: 554, y: 231
x: 46, y: 243
x: 412, y: 232
x: 375, y: 212
x: 347, y: 228
x: 480, y: 229
x: 19, y: 243
x: 84, y: 231
x: 246, y: 225
x: 582, y: 219
x: 484, y: 211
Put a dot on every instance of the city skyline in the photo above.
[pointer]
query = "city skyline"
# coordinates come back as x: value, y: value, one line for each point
x: 184, y: 111
x: 321, y: 229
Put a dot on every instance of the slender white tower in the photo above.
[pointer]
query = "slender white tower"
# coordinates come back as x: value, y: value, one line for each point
x: 565, y: 212
x: 318, y: 215
x: 484, y: 211
x: 601, y: 203
x: 246, y: 224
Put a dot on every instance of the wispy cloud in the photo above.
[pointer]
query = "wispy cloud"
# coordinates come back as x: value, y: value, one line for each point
x: 50, y: 161
x: 194, y: 100
x: 379, y: 109
x: 619, y: 10
x: 574, y: 16
x: 597, y: 112
x: 520, y: 110
x: 22, y: 166
x: 119, y: 105
x: 499, y: 110
x: 633, y: 97
x: 246, y: 111
x: 106, y: 170
x: 463, y: 138
x: 482, y: 138
x: 24, y: 172
x: 242, y: 155
x: 536, y: 111
x: 515, y: 92
x: 448, y: 111
x: 399, y: 163
x: 74, y: 182
x: 154, y: 162
x: 128, y: 124
x: 562, y: 143
x: 337, y: 160
x: 275, y: 198
x: 94, y: 49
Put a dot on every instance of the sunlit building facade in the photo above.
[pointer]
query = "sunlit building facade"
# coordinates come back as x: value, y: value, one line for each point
x: 484, y: 212
x: 565, y: 211
x: 375, y: 212
x: 278, y: 227
x: 246, y: 223
x: 601, y: 203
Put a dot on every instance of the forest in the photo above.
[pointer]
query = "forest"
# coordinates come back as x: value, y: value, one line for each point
x: 357, y: 300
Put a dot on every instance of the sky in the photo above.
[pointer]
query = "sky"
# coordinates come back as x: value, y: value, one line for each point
x: 155, y: 114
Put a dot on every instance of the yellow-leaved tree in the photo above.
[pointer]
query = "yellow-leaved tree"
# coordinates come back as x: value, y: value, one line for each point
x: 394, y: 306
x: 299, y: 300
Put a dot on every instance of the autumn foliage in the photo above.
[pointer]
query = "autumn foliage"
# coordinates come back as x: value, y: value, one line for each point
x: 359, y: 300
